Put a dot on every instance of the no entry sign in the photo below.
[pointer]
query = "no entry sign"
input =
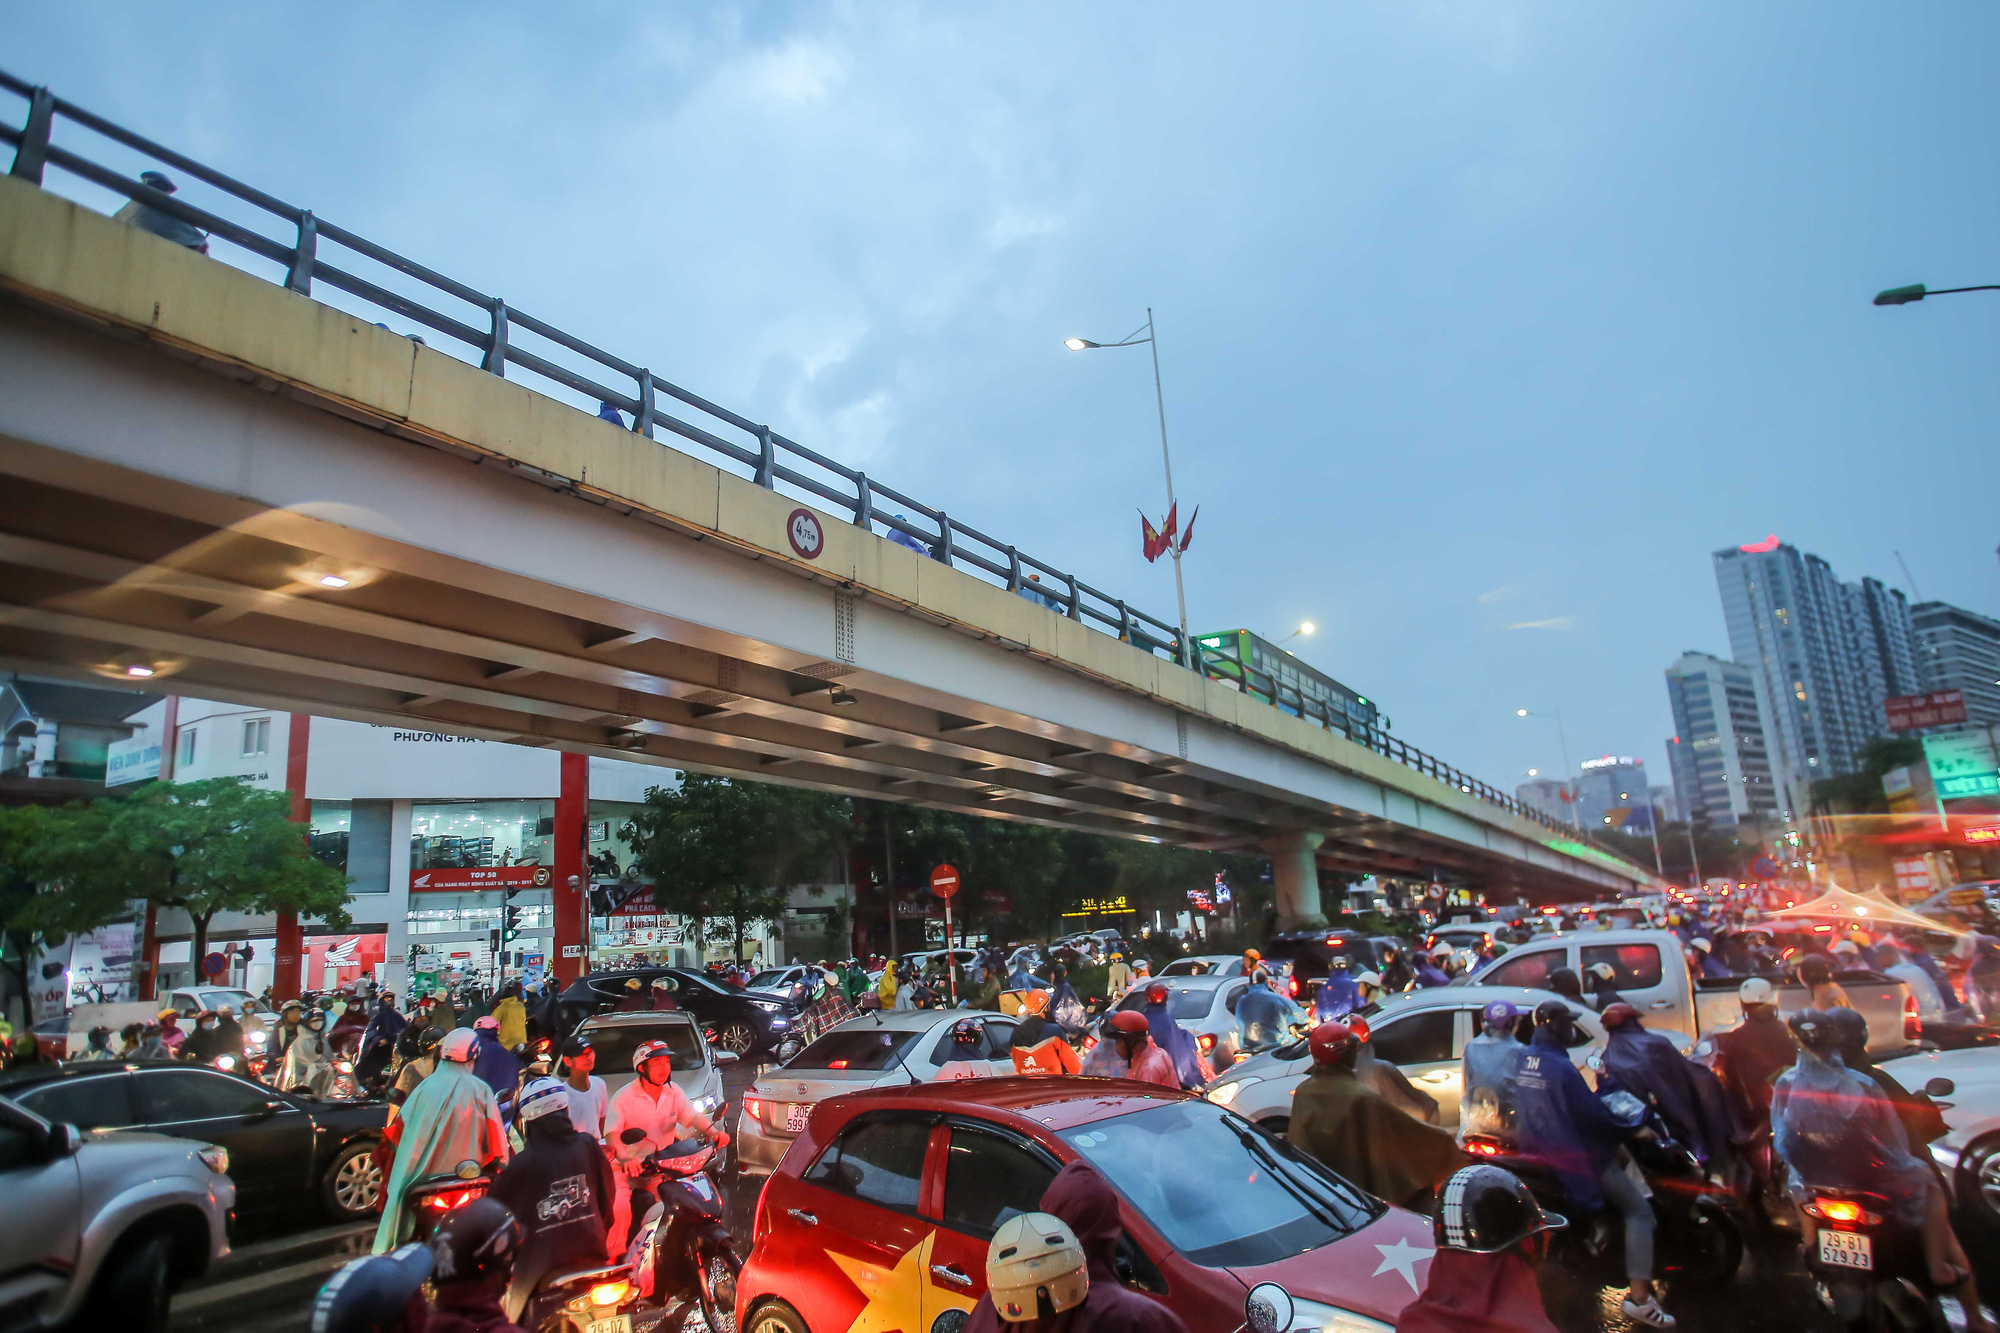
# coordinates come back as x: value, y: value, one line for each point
x: 944, y: 881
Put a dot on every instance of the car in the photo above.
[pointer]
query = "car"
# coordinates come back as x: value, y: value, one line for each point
x: 1970, y: 1152
x: 735, y: 1019
x: 875, y: 1050
x: 100, y: 1228
x: 285, y: 1148
x: 52, y: 1036
x: 191, y: 1000
x: 1472, y: 935
x: 1204, y: 1005
x: 697, y: 1066
x: 1422, y: 1033
x: 1312, y: 952
x: 1203, y: 964
x: 881, y: 1214
x: 796, y: 984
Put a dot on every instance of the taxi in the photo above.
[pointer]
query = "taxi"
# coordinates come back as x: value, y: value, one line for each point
x: 879, y: 1216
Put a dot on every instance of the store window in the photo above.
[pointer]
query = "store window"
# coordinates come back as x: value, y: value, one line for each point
x: 186, y: 755
x: 328, y: 826
x: 256, y: 736
x: 450, y: 835
x: 607, y: 853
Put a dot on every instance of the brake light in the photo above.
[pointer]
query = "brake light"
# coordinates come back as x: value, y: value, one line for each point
x: 446, y: 1200
x: 1842, y: 1211
x: 1482, y: 1148
x: 836, y: 1064
x: 754, y: 1107
x: 1913, y: 1020
x: 1207, y: 1042
x: 609, y: 1293
x: 1294, y: 984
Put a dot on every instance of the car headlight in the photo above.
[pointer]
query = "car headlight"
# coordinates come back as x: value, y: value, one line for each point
x: 767, y: 1006
x: 706, y: 1103
x: 1313, y: 1317
x: 215, y: 1158
x: 1225, y: 1094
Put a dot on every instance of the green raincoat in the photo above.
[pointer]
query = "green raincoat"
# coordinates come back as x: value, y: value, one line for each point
x: 452, y: 1117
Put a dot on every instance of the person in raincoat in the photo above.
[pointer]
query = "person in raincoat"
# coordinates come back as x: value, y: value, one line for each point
x: 1430, y: 969
x: 1176, y: 1041
x: 451, y: 1118
x: 378, y: 1039
x: 1131, y: 1036
x: 1340, y: 1121
x: 886, y: 989
x: 1040, y: 1046
x: 513, y: 1016
x: 1390, y: 1083
x: 1065, y: 1005
x: 1489, y: 1232
x: 1264, y: 1016
x: 309, y: 1059
x: 1339, y: 995
x: 1118, y: 977
x: 1492, y: 1059
x: 493, y: 1063
x: 1688, y: 1097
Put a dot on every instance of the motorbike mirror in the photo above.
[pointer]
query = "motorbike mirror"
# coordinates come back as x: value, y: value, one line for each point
x: 631, y: 1136
x: 1268, y: 1309
x: 1940, y: 1087
x: 467, y: 1170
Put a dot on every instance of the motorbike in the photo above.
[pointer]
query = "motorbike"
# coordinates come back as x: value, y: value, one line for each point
x: 583, y: 1300
x: 426, y: 1201
x: 1870, y: 1269
x: 680, y: 1246
x: 1697, y: 1233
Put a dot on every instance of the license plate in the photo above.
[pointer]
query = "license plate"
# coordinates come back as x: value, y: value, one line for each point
x: 618, y: 1323
x: 1846, y: 1249
x: 796, y: 1116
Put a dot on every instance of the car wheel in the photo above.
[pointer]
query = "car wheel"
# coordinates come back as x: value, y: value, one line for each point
x: 135, y: 1286
x: 352, y: 1186
x: 736, y: 1038
x: 1979, y: 1179
x: 775, y: 1316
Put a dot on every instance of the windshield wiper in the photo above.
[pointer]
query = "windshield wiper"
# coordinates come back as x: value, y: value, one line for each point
x: 1252, y: 1140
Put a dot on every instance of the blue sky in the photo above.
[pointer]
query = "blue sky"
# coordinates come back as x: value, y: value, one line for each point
x: 1482, y: 324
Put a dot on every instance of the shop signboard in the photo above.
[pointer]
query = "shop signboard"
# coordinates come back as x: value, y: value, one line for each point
x: 1940, y: 708
x: 1113, y: 906
x: 1962, y: 764
x: 1985, y: 833
x: 1201, y: 900
x: 135, y: 759
x: 1913, y: 879
x: 459, y: 879
x: 356, y: 761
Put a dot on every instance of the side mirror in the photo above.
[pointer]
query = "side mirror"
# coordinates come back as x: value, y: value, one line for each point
x: 64, y: 1140
x: 725, y: 1058
x: 631, y: 1136
x: 1940, y: 1087
x: 1268, y: 1309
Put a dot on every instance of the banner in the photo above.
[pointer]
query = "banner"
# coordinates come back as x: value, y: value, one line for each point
x: 461, y: 879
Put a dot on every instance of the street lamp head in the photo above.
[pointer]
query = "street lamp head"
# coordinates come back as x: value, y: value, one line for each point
x: 1900, y: 295
x: 1305, y: 627
x: 1078, y: 344
x: 1520, y: 712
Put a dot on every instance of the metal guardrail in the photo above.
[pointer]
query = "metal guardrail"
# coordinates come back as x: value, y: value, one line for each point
x: 492, y: 330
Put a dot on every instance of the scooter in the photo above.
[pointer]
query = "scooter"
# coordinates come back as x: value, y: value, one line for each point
x: 681, y: 1246
x: 583, y: 1300
x: 1870, y: 1268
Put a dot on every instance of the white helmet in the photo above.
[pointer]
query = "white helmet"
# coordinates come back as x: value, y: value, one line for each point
x: 542, y: 1096
x: 1757, y: 991
x: 458, y: 1044
x: 1369, y: 979
x: 1032, y: 1256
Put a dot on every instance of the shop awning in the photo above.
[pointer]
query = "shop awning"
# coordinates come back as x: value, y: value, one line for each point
x: 1861, y: 909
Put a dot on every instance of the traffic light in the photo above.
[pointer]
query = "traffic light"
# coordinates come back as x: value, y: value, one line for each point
x: 510, y: 925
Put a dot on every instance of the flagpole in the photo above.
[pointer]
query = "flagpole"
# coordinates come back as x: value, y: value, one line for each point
x: 1167, y: 458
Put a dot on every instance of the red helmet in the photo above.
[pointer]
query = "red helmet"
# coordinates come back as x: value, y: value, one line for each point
x: 647, y: 1050
x: 1130, y: 1020
x: 1617, y: 1015
x: 1156, y: 993
x: 1332, y: 1042
x: 1358, y: 1026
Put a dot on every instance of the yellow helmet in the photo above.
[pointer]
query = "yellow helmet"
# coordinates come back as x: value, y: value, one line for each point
x: 1032, y: 1256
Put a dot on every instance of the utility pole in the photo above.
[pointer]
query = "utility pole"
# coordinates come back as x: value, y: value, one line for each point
x: 889, y: 875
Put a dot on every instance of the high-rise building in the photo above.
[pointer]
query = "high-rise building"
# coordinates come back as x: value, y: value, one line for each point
x: 1720, y: 760
x: 1960, y: 650
x: 1666, y: 805
x: 1546, y: 795
x: 1612, y: 792
x: 1824, y: 653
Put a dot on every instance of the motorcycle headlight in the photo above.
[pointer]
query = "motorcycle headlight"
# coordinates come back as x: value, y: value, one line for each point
x: 1225, y: 1094
x: 256, y: 1038
x: 706, y: 1103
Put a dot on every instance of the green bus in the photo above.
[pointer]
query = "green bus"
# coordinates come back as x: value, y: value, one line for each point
x: 1265, y: 671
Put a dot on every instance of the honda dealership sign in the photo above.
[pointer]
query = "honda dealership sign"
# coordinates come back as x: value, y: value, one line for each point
x: 355, y: 761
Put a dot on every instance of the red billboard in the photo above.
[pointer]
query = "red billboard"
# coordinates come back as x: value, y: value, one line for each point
x: 1940, y: 708
x: 462, y: 878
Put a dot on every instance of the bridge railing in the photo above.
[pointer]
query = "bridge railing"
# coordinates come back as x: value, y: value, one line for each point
x: 317, y: 258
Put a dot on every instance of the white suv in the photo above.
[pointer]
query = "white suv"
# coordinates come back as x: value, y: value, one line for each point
x: 101, y: 1227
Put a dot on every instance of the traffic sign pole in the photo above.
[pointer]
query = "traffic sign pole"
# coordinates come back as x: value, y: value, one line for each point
x: 944, y: 883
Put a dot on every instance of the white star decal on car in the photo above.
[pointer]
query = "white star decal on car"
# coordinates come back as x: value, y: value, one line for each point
x: 1404, y: 1257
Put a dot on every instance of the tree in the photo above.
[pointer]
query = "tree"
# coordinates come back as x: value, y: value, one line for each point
x: 723, y: 850
x: 31, y: 917
x: 1860, y: 792
x: 218, y: 845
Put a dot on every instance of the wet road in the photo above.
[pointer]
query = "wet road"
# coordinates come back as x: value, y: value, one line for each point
x: 268, y: 1284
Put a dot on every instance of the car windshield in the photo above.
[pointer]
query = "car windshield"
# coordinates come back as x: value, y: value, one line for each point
x: 774, y: 977
x: 1183, y: 1002
x: 238, y: 1000
x: 856, y: 1048
x: 615, y: 1043
x: 1254, y: 1201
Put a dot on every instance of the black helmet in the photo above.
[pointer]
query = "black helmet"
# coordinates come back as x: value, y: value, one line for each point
x: 576, y: 1045
x: 1850, y: 1029
x: 1553, y: 1013
x: 1486, y: 1209
x: 1816, y: 1030
x: 410, y: 1041
x: 371, y: 1294
x: 475, y: 1239
x: 428, y: 1040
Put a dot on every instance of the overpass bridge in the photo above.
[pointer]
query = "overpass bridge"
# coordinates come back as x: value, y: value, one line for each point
x: 260, y: 496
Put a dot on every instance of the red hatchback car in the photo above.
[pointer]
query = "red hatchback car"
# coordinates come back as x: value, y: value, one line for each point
x: 878, y: 1219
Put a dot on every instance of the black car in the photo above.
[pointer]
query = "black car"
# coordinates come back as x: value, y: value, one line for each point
x: 735, y: 1019
x: 1311, y: 954
x: 283, y: 1148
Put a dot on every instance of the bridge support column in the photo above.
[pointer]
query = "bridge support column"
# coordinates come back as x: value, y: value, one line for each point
x: 567, y: 891
x: 1295, y: 875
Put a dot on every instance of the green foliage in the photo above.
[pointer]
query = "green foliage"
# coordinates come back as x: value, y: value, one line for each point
x: 723, y: 853
x: 206, y: 847
x: 1861, y: 792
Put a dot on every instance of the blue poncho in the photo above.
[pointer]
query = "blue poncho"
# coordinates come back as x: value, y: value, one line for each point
x: 1179, y: 1045
x: 1834, y: 1128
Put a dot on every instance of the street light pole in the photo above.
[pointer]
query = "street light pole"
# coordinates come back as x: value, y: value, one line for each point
x: 1917, y: 292
x: 1562, y: 738
x: 1166, y: 455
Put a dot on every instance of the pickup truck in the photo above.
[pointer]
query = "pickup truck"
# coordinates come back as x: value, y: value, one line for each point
x: 1650, y: 970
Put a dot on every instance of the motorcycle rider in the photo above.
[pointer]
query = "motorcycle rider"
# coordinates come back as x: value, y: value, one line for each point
x: 1689, y: 1098
x: 473, y: 1253
x: 589, y: 1098
x: 1083, y: 1263
x: 1339, y: 995
x: 1491, y: 1061
x: 97, y: 1046
x: 205, y: 1042
x: 309, y: 1059
x: 1039, y: 1046
x: 171, y: 1032
x: 1174, y: 1040
x: 1430, y: 968
x: 1263, y: 1016
x: 417, y: 1049
x: 1345, y: 1124
x: 1833, y: 1127
x: 1132, y: 1037
x: 452, y: 1117
x: 1561, y: 1122
x: 559, y: 1187
x: 1754, y: 1052
x: 492, y: 1063
x: 652, y: 1104
x: 377, y: 1293
x: 1389, y: 1082
x: 1489, y: 1232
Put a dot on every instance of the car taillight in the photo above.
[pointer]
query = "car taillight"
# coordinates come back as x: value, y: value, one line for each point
x: 753, y: 1107
x: 1913, y: 1021
x: 1207, y: 1042
x: 1294, y: 984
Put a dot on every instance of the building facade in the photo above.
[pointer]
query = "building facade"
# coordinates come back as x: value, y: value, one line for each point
x: 1547, y: 795
x: 1960, y: 650
x: 1720, y: 759
x: 1612, y: 793
x: 1824, y: 654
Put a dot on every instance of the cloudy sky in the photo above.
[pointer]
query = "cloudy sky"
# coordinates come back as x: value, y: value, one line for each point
x: 1482, y: 324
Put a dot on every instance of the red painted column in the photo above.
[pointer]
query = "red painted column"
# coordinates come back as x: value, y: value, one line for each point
x: 149, y: 941
x: 572, y: 810
x: 291, y: 939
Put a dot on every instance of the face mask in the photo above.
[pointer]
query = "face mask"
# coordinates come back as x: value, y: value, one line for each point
x: 207, y: 1025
